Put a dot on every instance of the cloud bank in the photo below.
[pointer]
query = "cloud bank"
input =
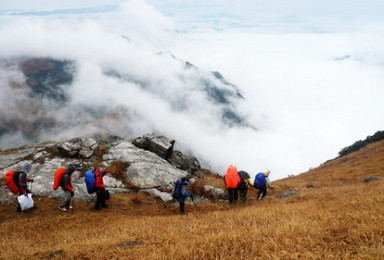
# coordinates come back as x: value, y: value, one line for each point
x: 312, y: 85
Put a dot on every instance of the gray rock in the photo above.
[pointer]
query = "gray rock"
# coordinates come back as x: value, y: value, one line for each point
x: 186, y: 163
x: 146, y: 169
x: 216, y: 192
x: 372, y: 178
x: 164, y: 196
x: 286, y: 194
x: 69, y: 149
x: 160, y: 145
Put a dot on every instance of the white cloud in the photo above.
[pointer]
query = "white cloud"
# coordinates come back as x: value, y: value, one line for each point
x: 313, y: 83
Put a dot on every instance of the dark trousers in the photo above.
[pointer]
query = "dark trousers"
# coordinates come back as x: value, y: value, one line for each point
x: 232, y: 195
x: 243, y: 193
x: 181, y: 201
x: 100, y: 199
x: 262, y: 192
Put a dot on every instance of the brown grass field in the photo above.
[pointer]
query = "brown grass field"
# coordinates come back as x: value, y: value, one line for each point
x: 335, y: 216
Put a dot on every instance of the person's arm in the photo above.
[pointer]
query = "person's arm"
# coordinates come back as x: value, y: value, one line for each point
x: 67, y: 183
x: 268, y: 182
x: 99, y: 183
x: 250, y: 183
x: 23, y: 183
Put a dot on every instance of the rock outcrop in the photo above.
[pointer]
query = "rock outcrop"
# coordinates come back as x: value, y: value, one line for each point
x: 144, y: 160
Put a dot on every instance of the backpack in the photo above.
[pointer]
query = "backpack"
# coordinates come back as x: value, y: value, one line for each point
x: 90, y: 181
x: 10, y: 177
x: 59, y: 173
x: 179, y: 189
x: 259, y: 180
x: 232, y: 178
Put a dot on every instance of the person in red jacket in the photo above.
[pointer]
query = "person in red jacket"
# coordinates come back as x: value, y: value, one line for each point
x: 101, y: 193
x: 66, y: 185
x: 21, y: 179
x: 232, y: 180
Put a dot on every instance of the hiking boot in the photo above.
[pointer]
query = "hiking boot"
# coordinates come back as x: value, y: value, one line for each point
x: 62, y: 209
x: 70, y: 207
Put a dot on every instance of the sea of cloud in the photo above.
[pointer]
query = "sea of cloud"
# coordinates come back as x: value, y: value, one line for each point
x: 309, y: 94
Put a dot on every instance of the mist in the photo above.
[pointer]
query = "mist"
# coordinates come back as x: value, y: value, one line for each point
x: 306, y: 94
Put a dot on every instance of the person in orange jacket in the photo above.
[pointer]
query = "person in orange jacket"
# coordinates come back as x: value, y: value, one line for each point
x: 232, y: 180
x: 101, y: 193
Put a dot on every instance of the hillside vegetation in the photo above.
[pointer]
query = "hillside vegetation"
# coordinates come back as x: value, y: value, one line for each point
x: 335, y: 216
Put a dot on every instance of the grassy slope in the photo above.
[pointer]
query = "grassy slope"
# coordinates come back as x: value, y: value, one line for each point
x: 338, y: 218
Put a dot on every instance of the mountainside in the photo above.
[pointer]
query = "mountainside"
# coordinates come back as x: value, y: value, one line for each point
x: 330, y: 212
x: 51, y: 97
x: 148, y: 163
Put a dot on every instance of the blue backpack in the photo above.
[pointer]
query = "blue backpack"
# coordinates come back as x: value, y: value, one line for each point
x: 90, y: 181
x: 180, y: 189
x: 259, y: 180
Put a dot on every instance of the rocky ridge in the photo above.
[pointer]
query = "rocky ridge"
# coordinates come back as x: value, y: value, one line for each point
x: 147, y: 163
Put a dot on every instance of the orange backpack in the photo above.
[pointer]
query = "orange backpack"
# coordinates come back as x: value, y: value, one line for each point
x: 59, y: 173
x: 10, y: 182
x: 232, y: 178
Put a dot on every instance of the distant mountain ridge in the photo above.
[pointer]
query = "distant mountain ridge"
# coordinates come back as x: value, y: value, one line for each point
x: 40, y: 99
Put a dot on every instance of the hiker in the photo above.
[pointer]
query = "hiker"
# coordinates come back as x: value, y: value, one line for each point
x: 66, y: 185
x: 21, y: 180
x: 180, y: 193
x: 232, y: 180
x: 261, y: 182
x: 242, y: 188
x: 101, y: 194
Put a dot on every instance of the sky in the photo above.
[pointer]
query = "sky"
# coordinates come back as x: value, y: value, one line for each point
x: 311, y: 72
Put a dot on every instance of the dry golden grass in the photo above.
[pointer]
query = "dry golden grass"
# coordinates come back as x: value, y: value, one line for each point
x: 339, y: 218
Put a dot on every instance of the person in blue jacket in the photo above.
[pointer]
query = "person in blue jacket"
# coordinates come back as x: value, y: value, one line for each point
x: 261, y: 182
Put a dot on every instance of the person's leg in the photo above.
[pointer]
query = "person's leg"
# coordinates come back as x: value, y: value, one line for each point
x: 98, y: 200
x: 260, y: 190
x: 243, y: 194
x: 181, y: 201
x: 264, y: 192
x: 230, y: 195
x: 104, y: 199
x: 235, y: 195
x: 67, y: 200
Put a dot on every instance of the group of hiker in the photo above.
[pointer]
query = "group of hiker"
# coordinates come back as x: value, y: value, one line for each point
x: 236, y: 182
x: 17, y: 180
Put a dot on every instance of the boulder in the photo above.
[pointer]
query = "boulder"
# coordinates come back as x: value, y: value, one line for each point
x: 185, y: 163
x: 160, y: 145
x: 146, y: 169
x: 217, y: 193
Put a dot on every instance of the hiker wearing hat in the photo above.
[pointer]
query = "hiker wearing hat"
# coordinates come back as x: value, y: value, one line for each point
x: 21, y: 181
x: 232, y: 180
x: 101, y: 193
x: 66, y: 185
x: 261, y: 182
x: 242, y: 188
x: 180, y: 193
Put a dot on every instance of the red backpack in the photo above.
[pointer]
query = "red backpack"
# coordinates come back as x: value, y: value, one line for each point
x: 59, y: 173
x: 9, y: 181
